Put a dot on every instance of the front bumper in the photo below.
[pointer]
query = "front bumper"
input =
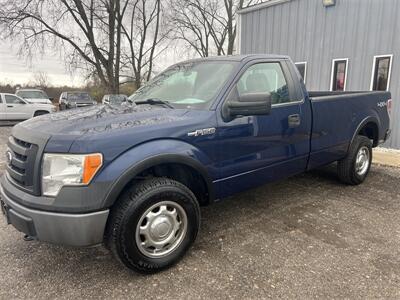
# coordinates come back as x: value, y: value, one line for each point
x: 59, y: 228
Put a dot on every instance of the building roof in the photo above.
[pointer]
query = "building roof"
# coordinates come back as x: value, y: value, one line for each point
x: 261, y: 5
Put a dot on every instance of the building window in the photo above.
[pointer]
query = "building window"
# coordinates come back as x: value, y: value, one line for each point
x: 339, y: 74
x: 381, y: 72
x: 302, y: 67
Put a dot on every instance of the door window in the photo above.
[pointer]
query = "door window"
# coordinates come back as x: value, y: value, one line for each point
x: 11, y: 99
x: 265, y: 78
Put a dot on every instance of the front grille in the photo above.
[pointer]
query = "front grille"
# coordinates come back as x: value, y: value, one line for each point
x: 22, y: 163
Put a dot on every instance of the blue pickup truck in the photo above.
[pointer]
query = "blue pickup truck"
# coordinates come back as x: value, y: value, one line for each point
x: 134, y: 177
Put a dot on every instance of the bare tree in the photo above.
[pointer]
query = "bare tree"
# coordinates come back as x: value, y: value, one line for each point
x: 207, y: 26
x: 145, y: 32
x: 190, y: 26
x: 41, y: 79
x: 87, y: 31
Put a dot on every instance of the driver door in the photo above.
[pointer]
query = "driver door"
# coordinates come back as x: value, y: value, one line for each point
x: 16, y: 108
x: 256, y: 149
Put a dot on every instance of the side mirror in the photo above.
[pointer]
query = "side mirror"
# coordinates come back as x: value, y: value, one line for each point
x: 51, y: 98
x: 250, y: 104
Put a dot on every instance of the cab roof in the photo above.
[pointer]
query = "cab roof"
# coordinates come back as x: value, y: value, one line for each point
x: 240, y: 58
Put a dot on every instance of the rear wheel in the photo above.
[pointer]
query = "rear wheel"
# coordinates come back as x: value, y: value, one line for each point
x: 354, y: 168
x: 153, y: 225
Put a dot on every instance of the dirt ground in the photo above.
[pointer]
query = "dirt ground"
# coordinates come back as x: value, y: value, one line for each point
x: 305, y: 237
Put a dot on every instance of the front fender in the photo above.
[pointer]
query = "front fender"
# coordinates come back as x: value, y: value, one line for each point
x: 139, y: 158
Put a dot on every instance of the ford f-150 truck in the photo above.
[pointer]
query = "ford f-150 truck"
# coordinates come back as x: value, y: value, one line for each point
x: 133, y: 177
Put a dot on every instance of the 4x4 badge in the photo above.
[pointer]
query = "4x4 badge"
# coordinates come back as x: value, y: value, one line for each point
x: 200, y: 132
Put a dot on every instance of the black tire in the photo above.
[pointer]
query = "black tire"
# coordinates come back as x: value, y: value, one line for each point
x: 132, y: 206
x: 40, y: 113
x: 347, y: 168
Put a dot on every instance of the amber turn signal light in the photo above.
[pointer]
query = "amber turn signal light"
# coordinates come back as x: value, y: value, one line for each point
x: 91, y: 165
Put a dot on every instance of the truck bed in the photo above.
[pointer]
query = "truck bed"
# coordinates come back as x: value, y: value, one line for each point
x: 316, y: 94
x: 336, y: 116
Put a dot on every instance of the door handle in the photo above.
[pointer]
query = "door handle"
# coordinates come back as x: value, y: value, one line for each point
x: 10, y: 105
x: 294, y: 120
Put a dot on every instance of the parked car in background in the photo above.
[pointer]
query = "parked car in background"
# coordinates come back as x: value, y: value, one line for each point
x: 34, y: 96
x: 70, y: 100
x: 14, y: 108
x: 114, y: 99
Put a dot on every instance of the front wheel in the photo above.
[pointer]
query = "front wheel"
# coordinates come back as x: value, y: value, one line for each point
x: 354, y: 168
x: 153, y: 225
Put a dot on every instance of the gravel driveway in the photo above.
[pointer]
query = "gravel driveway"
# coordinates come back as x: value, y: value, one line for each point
x: 305, y: 237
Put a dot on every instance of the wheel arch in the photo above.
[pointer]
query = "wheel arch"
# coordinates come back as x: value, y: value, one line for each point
x: 185, y: 163
x: 368, y: 127
x: 40, y: 112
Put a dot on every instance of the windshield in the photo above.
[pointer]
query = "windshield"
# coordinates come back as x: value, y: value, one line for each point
x: 32, y: 94
x: 117, y: 99
x: 188, y: 85
x: 78, y: 97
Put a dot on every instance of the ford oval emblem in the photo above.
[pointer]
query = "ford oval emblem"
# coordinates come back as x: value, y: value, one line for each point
x: 9, y: 156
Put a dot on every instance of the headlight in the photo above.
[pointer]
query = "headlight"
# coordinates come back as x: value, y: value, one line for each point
x: 59, y: 170
x: 53, y: 108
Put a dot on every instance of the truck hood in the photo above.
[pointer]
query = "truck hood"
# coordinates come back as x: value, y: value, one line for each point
x: 100, y: 118
x: 99, y: 122
x: 49, y: 107
x: 36, y: 100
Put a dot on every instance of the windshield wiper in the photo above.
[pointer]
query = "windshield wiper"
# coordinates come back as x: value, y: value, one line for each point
x: 154, y: 101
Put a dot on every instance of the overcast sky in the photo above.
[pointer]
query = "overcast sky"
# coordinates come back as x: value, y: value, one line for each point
x: 14, y: 69
x: 17, y: 70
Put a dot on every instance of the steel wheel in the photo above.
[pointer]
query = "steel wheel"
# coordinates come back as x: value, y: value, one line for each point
x: 161, y: 229
x: 362, y: 161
